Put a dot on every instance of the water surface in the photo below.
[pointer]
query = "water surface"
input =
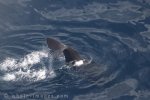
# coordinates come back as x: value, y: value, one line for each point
x: 114, y: 33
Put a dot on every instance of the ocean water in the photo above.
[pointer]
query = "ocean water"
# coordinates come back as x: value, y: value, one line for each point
x: 113, y: 34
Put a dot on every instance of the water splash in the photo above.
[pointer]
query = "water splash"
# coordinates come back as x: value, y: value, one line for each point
x: 21, y: 69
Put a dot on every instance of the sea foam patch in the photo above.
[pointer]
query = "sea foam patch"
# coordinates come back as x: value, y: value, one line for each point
x: 30, y: 59
x: 30, y: 75
x: 18, y: 69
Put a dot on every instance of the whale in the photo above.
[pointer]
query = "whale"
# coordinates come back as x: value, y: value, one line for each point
x: 72, y: 57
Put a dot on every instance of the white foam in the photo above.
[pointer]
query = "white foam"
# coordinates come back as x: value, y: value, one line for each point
x: 33, y: 58
x: 34, y: 75
x: 9, y: 63
x: 19, y: 69
x: 9, y: 77
x: 30, y: 59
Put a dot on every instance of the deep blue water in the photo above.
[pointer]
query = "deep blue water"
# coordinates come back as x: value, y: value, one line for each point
x: 115, y: 34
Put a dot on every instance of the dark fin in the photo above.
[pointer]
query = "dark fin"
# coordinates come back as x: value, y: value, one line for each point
x: 71, y: 55
x: 54, y: 44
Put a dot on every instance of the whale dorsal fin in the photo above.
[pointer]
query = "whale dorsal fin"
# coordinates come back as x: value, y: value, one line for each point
x: 54, y: 44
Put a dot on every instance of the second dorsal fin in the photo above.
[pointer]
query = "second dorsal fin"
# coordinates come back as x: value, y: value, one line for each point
x: 71, y: 55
